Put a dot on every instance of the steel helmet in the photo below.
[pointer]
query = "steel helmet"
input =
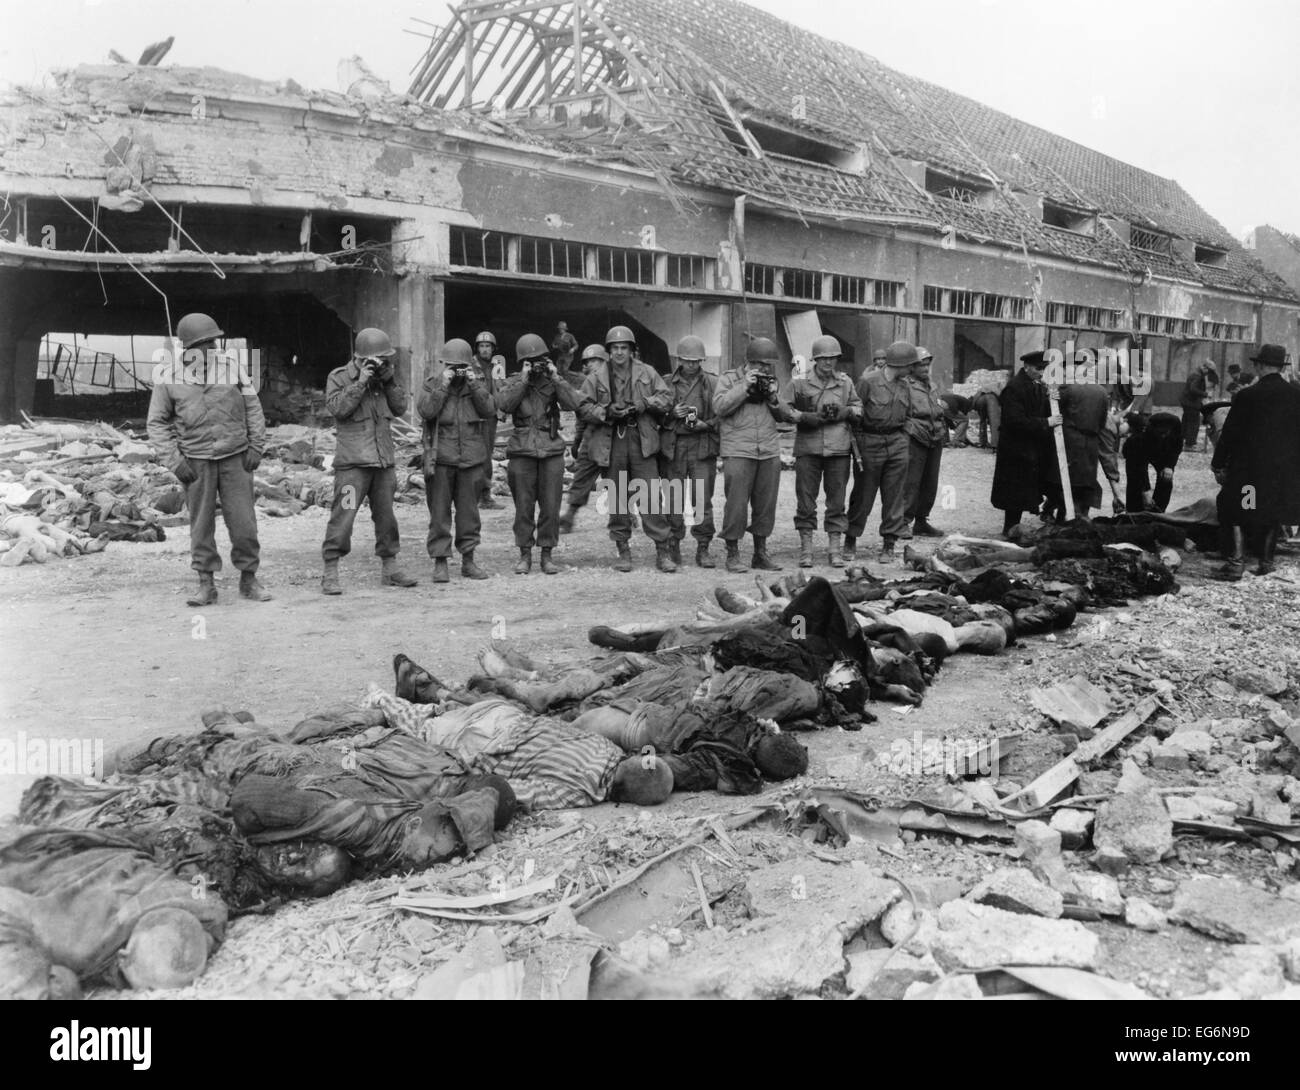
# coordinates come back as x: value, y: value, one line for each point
x: 594, y: 352
x: 196, y: 328
x: 456, y: 353
x: 620, y: 334
x: 485, y: 336
x: 923, y: 354
x: 825, y: 346
x: 761, y: 350
x: 373, y: 343
x: 529, y: 347
x: 690, y: 348
x: 900, y: 354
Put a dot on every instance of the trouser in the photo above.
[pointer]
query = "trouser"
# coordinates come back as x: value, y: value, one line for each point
x: 884, y: 470
x: 961, y: 425
x: 485, y: 486
x: 751, y: 485
x: 585, y: 475
x: 1138, y: 470
x: 457, y: 485
x: 627, y: 465
x: 990, y: 421
x: 810, y: 471
x: 922, y: 480
x: 537, y: 486
x: 353, y: 485
x: 227, y: 478
x: 1191, y: 426
x: 695, y: 475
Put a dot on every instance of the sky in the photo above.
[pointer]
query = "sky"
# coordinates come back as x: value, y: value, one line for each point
x: 1203, y: 91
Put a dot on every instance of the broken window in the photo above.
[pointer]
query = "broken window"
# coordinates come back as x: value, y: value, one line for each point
x: 849, y: 289
x: 950, y: 300
x: 760, y: 279
x: 1068, y: 219
x: 953, y: 188
x: 549, y: 257
x: 1151, y: 241
x: 801, y: 284
x: 1011, y: 308
x: 888, y: 293
x: 478, y: 249
x: 622, y: 266
x: 1208, y: 255
x: 688, y: 272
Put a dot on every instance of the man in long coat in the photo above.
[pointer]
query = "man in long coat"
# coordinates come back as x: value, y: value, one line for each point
x: 1026, y: 468
x: 1257, y: 461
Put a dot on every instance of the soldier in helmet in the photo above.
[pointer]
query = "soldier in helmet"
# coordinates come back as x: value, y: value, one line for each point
x: 456, y: 407
x: 886, y: 402
x: 564, y: 347
x: 493, y: 367
x: 623, y: 403
x: 688, y: 455
x: 211, y: 434
x: 585, y: 472
x: 535, y: 453
x: 363, y: 396
x: 826, y: 405
x: 748, y: 408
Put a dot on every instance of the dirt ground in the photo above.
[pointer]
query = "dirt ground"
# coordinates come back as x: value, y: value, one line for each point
x: 104, y: 647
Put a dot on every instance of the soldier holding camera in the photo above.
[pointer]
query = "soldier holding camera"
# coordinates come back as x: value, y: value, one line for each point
x: 748, y: 408
x: 826, y: 404
x: 363, y: 396
x: 535, y: 453
x: 689, y: 450
x: 492, y: 365
x: 622, y: 403
x: 455, y: 406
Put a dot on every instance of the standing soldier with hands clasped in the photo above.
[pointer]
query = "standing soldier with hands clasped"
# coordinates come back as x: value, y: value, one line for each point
x: 364, y: 395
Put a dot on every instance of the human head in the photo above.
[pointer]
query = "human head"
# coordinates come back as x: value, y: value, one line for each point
x: 899, y: 357
x: 642, y: 781
x: 762, y: 352
x: 593, y: 356
x: 485, y: 346
x: 373, y: 344
x: 878, y: 358
x: 197, y: 331
x: 1269, y: 358
x: 620, y: 343
x: 924, y: 358
x: 780, y: 757
x: 1033, y: 364
x: 825, y: 354
x: 562, y: 327
x: 690, y: 356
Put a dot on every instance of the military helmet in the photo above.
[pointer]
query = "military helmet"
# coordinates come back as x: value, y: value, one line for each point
x: 762, y: 350
x: 373, y: 343
x: 196, y: 328
x: 620, y: 334
x: 456, y: 353
x: 825, y: 346
x: 529, y: 347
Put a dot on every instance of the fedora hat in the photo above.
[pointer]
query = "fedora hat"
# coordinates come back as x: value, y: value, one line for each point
x: 1270, y: 355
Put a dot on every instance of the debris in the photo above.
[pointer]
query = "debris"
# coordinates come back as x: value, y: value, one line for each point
x: 1099, y: 892
x: 1136, y: 824
x: 910, y: 928
x: 1017, y: 890
x: 1131, y: 778
x: 962, y: 986
x: 1074, y: 983
x: 1075, y: 703
x: 479, y: 971
x: 1040, y: 846
x: 1074, y: 826
x: 1171, y: 757
x: 888, y: 974
x: 1226, y: 909
x: 1143, y: 915
x: 1057, y: 778
x: 973, y: 936
x: 1263, y: 682
x: 1252, y: 971
x: 1110, y: 861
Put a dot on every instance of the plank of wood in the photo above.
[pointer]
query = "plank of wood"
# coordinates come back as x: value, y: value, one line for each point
x: 1057, y: 778
x: 1058, y: 434
x: 481, y: 900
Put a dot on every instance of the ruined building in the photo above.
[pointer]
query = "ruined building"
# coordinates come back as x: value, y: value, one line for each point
x: 673, y: 165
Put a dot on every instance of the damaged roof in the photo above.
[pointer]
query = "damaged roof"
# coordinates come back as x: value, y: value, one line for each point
x: 775, y: 74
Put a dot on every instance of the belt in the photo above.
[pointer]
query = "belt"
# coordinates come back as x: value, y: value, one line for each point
x: 882, y: 431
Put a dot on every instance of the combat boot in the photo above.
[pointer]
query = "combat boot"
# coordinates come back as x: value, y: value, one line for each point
x: 805, y: 548
x: 702, y: 557
x: 251, y: 589
x: 392, y: 575
x: 329, y: 580
x: 206, y: 595
x: 525, y: 563
x: 760, y: 561
x: 734, y: 563
x: 566, y: 519
x: 624, y: 561
x: 675, y: 550
x: 441, y: 573
x: 1235, y: 568
x: 549, y: 567
x: 887, y: 549
x: 1268, y: 551
x: 836, y: 548
x: 850, y: 553
x: 664, y: 557
x: 470, y: 570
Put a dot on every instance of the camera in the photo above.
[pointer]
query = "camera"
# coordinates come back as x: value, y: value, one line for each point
x: 761, y: 386
x: 458, y: 370
x: 691, y: 418
x: 829, y: 410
